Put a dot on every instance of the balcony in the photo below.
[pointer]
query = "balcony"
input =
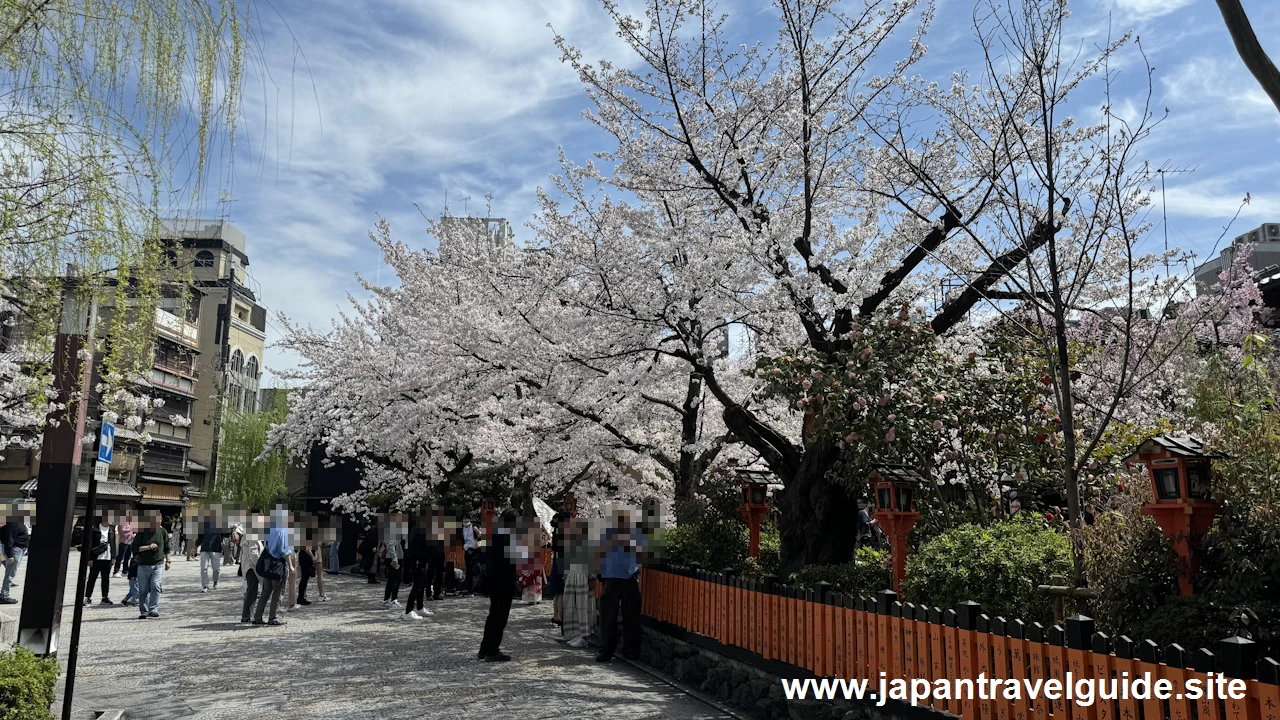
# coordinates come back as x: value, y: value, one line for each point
x: 176, y: 369
x: 174, y: 328
x: 168, y: 380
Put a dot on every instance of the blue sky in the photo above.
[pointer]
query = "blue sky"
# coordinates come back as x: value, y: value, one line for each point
x: 366, y: 112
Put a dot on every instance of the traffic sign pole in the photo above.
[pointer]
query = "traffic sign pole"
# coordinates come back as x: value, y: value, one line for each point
x: 106, y: 441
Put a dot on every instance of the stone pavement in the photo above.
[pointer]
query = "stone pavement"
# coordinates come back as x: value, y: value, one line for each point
x: 343, y: 659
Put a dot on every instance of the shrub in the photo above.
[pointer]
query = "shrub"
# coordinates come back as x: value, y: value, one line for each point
x: 997, y: 566
x: 1200, y: 621
x: 865, y: 575
x: 1128, y: 561
x: 26, y: 685
x: 713, y: 546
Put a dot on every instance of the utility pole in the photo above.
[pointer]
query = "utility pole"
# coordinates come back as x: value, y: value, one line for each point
x: 90, y: 513
x: 224, y: 351
x: 60, y: 452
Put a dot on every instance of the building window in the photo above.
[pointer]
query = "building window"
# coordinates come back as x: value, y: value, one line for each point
x: 204, y: 259
x: 237, y: 361
x: 251, y: 367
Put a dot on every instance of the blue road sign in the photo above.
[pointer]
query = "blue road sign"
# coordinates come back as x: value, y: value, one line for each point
x: 106, y: 442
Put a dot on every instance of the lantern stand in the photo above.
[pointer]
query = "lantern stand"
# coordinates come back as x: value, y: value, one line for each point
x: 895, y: 487
x: 755, y: 504
x: 487, y: 511
x: 1179, y: 469
x: 570, y: 506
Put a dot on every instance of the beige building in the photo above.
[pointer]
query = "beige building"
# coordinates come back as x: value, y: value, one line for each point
x: 232, y: 336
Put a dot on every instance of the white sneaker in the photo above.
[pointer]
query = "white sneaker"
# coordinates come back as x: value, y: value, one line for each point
x: 296, y: 606
x: 385, y: 604
x: 411, y: 615
x: 578, y: 642
x: 396, y: 604
x: 426, y: 613
x: 324, y: 598
x: 204, y: 590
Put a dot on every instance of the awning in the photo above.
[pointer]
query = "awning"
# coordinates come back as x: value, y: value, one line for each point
x: 155, y: 502
x: 106, y: 489
x: 169, y: 441
x: 197, y: 467
x: 166, y: 480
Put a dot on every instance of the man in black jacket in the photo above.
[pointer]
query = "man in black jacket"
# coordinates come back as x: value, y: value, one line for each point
x: 501, y: 580
x: 14, y: 539
x: 210, y: 551
x: 102, y: 548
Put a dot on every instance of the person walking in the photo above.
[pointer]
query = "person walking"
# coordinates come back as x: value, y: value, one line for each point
x: 578, y: 599
x: 250, y: 550
x: 124, y: 551
x: 395, y: 562
x: 102, y: 550
x: 333, y: 568
x: 14, y: 540
x: 131, y: 571
x: 415, y: 564
x: 501, y: 579
x: 210, y: 552
x: 620, y: 568
x: 151, y: 546
x: 436, y: 558
x: 368, y: 554
x: 470, y: 554
x: 273, y: 568
x: 291, y: 588
x: 306, y: 571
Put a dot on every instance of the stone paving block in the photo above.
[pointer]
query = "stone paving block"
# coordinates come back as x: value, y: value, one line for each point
x: 346, y: 658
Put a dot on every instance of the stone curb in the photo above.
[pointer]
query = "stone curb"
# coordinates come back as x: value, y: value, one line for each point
x: 8, y: 629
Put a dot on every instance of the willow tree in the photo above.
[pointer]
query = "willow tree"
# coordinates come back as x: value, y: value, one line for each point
x: 109, y: 112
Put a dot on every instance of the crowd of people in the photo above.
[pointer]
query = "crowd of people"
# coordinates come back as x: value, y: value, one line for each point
x: 593, y: 579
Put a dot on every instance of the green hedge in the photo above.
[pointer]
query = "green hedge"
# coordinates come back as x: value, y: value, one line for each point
x: 718, y: 546
x: 27, y: 685
x: 997, y: 566
x: 865, y: 575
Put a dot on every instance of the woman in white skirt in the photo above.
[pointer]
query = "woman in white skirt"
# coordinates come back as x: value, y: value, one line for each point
x: 579, y: 602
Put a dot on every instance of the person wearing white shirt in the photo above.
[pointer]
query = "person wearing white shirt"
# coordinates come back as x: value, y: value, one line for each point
x: 102, y: 549
x: 470, y: 552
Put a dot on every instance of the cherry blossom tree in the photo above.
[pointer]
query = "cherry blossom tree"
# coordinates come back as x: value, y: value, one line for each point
x: 481, y: 356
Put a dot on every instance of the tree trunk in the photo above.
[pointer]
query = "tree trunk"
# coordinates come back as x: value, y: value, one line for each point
x: 1250, y: 50
x: 818, y: 516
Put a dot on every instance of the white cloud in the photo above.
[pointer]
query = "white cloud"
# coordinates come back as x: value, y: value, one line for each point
x: 1146, y: 9
x: 1218, y: 87
x: 1220, y: 197
x: 414, y: 98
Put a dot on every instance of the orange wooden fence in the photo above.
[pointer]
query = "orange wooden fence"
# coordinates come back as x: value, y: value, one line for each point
x: 831, y: 634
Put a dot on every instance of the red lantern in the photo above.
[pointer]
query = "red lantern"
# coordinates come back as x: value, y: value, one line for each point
x: 1179, y: 469
x: 755, y: 503
x: 895, y: 488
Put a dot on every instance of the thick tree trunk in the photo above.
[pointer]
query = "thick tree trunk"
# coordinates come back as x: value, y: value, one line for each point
x: 1250, y: 50
x: 818, y: 516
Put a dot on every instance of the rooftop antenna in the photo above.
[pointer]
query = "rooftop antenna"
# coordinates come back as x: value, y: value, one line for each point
x: 1167, y: 169
x: 446, y: 202
x: 488, y: 204
x: 465, y: 212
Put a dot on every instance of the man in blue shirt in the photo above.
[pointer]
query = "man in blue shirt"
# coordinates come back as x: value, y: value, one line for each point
x: 620, y: 568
